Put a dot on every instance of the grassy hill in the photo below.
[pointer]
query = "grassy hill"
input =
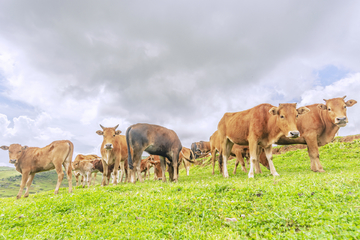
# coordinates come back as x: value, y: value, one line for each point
x: 300, y: 204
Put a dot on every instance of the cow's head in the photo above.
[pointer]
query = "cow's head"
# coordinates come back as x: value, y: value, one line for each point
x: 336, y: 109
x: 109, y: 135
x: 15, y: 152
x: 287, y: 115
x: 76, y: 165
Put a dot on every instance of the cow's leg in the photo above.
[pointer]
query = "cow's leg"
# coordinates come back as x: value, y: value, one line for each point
x: 257, y: 165
x: 93, y: 179
x: 163, y: 168
x: 84, y: 182
x: 115, y: 171
x: 239, y: 159
x: 88, y: 178
x: 313, y: 150
x: 175, y: 159
x: 77, y: 179
x: 105, y: 173
x: 68, y: 168
x: 226, y: 150
x: 253, y: 154
x: 268, y: 153
x: 137, y: 167
x: 122, y: 167
x: 24, y: 179
x: 60, y: 173
x: 28, y: 184
x: 213, y: 159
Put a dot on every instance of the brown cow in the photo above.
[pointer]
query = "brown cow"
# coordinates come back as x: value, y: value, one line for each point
x: 84, y: 165
x: 186, y: 156
x: 319, y: 127
x: 200, y: 148
x: 240, y: 152
x: 260, y: 126
x: 78, y: 178
x: 113, y: 151
x: 31, y: 160
x: 155, y: 140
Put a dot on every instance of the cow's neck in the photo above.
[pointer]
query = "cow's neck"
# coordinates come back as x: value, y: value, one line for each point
x: 274, y: 132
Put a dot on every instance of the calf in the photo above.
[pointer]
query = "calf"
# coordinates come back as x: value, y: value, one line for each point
x: 258, y: 127
x: 240, y: 152
x: 84, y: 165
x: 155, y: 140
x: 31, y: 160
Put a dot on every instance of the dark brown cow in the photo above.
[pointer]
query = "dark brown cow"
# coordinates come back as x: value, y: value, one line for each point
x: 156, y: 140
x: 258, y: 127
x: 113, y: 151
x: 31, y: 160
x: 200, y: 148
x: 319, y: 127
x: 240, y: 152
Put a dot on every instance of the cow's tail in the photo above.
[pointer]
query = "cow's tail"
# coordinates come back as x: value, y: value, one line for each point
x: 192, y: 157
x: 69, y: 157
x: 131, y: 166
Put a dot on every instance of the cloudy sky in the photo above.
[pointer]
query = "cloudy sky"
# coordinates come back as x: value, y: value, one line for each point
x: 68, y: 66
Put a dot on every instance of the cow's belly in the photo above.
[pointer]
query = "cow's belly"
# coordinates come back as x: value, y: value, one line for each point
x: 46, y: 167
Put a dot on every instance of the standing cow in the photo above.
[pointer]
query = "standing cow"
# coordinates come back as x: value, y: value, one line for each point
x: 31, y: 160
x: 319, y: 127
x: 155, y: 140
x: 113, y: 151
x: 260, y: 126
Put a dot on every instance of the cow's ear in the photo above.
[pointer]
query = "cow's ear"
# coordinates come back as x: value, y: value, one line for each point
x: 274, y: 111
x: 302, y: 110
x: 99, y: 132
x: 4, y: 147
x: 117, y: 132
x: 24, y: 147
x: 322, y: 106
x: 350, y: 103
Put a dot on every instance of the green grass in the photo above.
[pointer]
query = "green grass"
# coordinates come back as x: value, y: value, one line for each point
x: 299, y: 204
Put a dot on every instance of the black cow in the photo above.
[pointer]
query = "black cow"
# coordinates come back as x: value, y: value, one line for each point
x: 155, y: 140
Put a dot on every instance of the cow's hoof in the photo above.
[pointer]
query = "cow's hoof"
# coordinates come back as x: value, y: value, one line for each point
x: 251, y: 175
x: 276, y: 174
x: 18, y: 197
x: 26, y: 195
x: 321, y: 170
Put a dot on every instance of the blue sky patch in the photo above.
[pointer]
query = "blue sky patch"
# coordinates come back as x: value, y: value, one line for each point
x: 330, y: 74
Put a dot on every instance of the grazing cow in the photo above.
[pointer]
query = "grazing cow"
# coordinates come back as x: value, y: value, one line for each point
x: 31, y: 160
x: 113, y: 151
x: 200, y: 148
x: 319, y: 127
x: 240, y: 152
x: 186, y: 156
x: 84, y: 165
x: 258, y: 127
x: 155, y: 140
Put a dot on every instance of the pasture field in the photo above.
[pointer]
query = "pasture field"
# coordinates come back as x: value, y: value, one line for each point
x: 299, y: 204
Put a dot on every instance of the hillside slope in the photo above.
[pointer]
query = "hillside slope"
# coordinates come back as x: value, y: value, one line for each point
x: 299, y: 204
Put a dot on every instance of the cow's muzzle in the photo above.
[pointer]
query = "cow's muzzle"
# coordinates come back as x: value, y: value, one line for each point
x: 294, y: 134
x: 13, y: 161
x: 108, y: 146
x: 341, y: 121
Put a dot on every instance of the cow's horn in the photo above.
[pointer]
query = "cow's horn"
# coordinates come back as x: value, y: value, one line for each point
x: 102, y: 127
x: 116, y: 126
x: 344, y: 97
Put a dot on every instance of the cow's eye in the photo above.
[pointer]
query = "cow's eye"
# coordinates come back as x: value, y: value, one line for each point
x: 282, y: 116
x: 329, y: 109
x: 19, y: 152
x: 344, y: 106
x: 114, y: 135
x: 297, y: 115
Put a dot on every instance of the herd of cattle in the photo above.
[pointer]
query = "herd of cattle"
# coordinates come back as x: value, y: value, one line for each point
x: 247, y: 134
